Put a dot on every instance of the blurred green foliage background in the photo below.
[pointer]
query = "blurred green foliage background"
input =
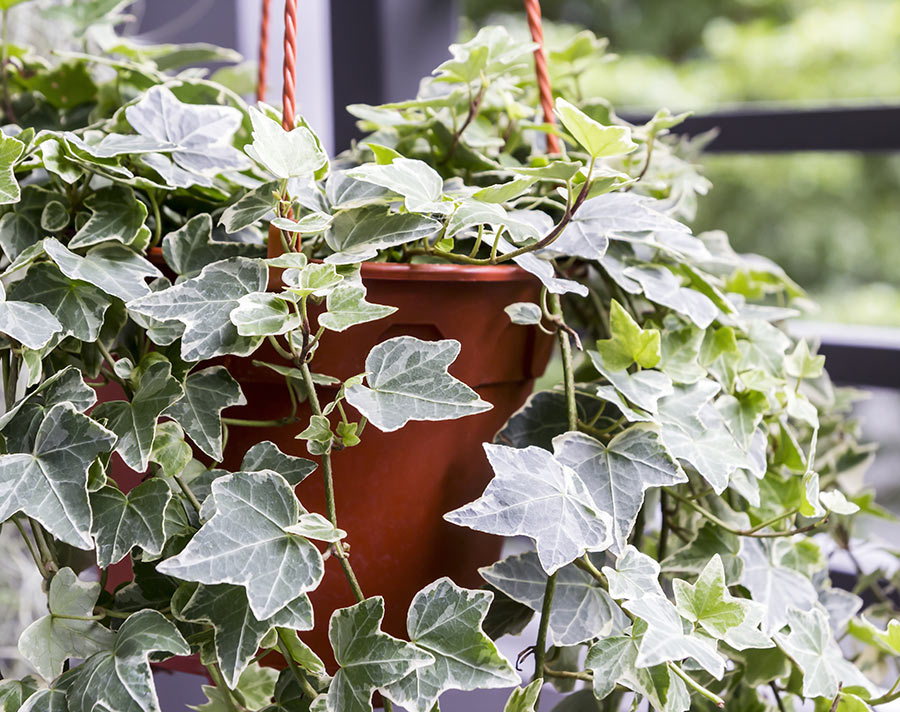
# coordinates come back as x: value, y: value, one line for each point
x: 831, y: 220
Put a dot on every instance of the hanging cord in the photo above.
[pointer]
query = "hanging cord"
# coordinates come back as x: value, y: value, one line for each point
x: 290, y: 63
x: 263, y: 52
x: 533, y: 11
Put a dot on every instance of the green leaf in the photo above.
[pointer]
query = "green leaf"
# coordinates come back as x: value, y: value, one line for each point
x: 524, y: 699
x: 263, y: 314
x: 170, y: 451
x: 134, y: 422
x: 116, y: 215
x: 543, y: 417
x: 78, y: 307
x: 206, y: 394
x: 710, y: 540
x: 408, y: 380
x: 418, y: 183
x: 445, y: 621
x: 358, y: 235
x: 644, y: 388
x: 285, y: 154
x: 708, y: 604
x: 14, y: 693
x: 598, y: 140
x: 50, y: 482
x: 535, y: 495
x: 666, y: 640
x: 245, y: 543
x: 629, y: 343
x: 617, y: 474
x: 254, y: 205
x: 256, y: 686
x: 523, y: 313
x: 504, y: 192
x: 635, y: 576
x: 801, y: 364
x: 10, y: 151
x: 237, y: 631
x: 680, y: 352
x: 581, y: 609
x: 120, y: 679
x: 369, y: 659
x: 55, y: 216
x: 117, y: 270
x: 51, y: 640
x: 202, y: 304
x: 192, y: 246
x: 318, y: 435
x: 123, y: 521
x: 202, y: 133
x: 267, y: 456
x: 346, y: 306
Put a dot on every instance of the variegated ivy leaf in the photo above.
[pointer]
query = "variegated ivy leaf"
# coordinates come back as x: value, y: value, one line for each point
x: 203, y: 304
x: 245, y: 543
x: 64, y: 633
x: 369, y: 659
x: 263, y: 314
x: 252, y: 206
x: 121, y: 679
x: 774, y: 586
x: 50, y: 482
x: 617, y: 474
x: 801, y: 364
x: 636, y: 575
x: 346, y: 306
x: 407, y: 379
x: 643, y: 388
x: 267, y: 456
x: 117, y: 270
x: 313, y: 525
x: 203, y: 134
x: 541, y: 268
x: 10, y: 150
x: 193, y: 246
x: 14, y: 693
x: 598, y: 140
x: 710, y: 540
x: 665, y: 639
x: 358, y: 235
x: 708, y: 603
x: 237, y: 631
x: 33, y: 325
x: 614, y: 661
x: 609, y: 216
x: 116, y: 215
x: 812, y: 646
x: 534, y: 495
x: 112, y: 145
x: 78, y: 306
x: 628, y: 342
x: 524, y: 699
x: 206, y: 394
x: 313, y: 223
x: 418, y: 183
x: 123, y: 521
x: 581, y: 609
x: 543, y: 417
x: 134, y: 421
x: 472, y: 213
x: 523, y: 313
x: 285, y: 154
x: 256, y: 687
x: 662, y: 287
x: 445, y: 620
x: 316, y: 280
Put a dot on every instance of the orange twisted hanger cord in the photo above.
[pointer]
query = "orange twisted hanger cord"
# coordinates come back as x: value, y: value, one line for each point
x: 290, y: 64
x: 263, y: 52
x: 533, y: 11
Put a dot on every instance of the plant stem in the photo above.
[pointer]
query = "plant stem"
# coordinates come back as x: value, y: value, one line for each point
x: 663, y: 540
x: 46, y: 555
x: 540, y: 646
x: 192, y: 498
x: 31, y: 549
x: 157, y: 219
x: 216, y: 675
x: 888, y: 696
x: 569, y: 674
x: 711, y: 696
x: 585, y: 564
x: 245, y: 423
x: 295, y: 669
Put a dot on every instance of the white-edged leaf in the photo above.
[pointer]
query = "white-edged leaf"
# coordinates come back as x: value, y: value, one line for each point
x: 123, y: 521
x: 285, y: 154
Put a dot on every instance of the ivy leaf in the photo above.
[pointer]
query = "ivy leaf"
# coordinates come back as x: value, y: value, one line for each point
x: 644, y: 388
x: 369, y: 659
x: 10, y: 151
x: 50, y: 482
x: 285, y: 154
x: 346, y: 306
x: 123, y: 521
x: 120, y: 679
x: 801, y: 364
x: 206, y: 394
x: 543, y: 417
x: 629, y: 343
x: 618, y: 474
x: 252, y: 206
x: 267, y: 456
x: 78, y: 306
x: 581, y: 609
x: 116, y: 215
x: 245, y: 543
x: 202, y: 133
x: 192, y: 246
x: 14, y: 693
x: 117, y: 270
x: 600, y: 141
x: 135, y: 422
x: 680, y: 352
x: 408, y: 380
x: 542, y: 269
x: 358, y: 235
x: 662, y: 287
x: 237, y: 631
x: 51, y: 640
x: 263, y: 314
x: 535, y: 495
x: 31, y: 324
x: 710, y: 540
x: 524, y: 699
x: 112, y: 145
x: 523, y: 313
x: 445, y: 621
x: 708, y: 604
x: 420, y: 185
x: 666, y: 640
x: 636, y: 575
x: 202, y: 304
x: 256, y: 686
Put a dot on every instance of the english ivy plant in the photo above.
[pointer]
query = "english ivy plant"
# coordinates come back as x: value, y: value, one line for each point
x: 683, y: 485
